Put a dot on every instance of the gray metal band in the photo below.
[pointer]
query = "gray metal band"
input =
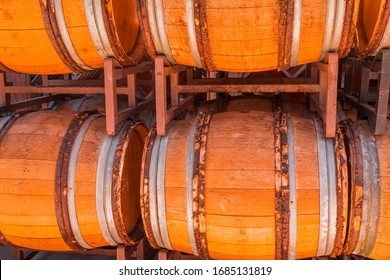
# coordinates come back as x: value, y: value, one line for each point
x: 189, y: 192
x: 59, y: 14
x: 3, y: 121
x: 158, y: 29
x: 108, y: 189
x: 100, y: 182
x: 371, y: 194
x: 72, y: 179
x: 329, y: 25
x: 332, y: 195
x: 324, y: 186
x: 94, y: 15
x: 161, y: 209
x: 296, y: 37
x: 192, y: 33
x: 292, y: 245
x: 77, y: 105
x: 338, y: 25
x: 153, y: 192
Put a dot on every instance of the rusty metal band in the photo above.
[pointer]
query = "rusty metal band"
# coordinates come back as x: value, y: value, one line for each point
x: 94, y: 15
x: 143, y: 17
x: 120, y: 154
x: 356, y: 187
x: 282, y: 193
x: 379, y: 32
x: 61, y: 181
x: 198, y: 181
x: 342, y: 193
x: 52, y: 28
x: 72, y: 181
x: 293, y: 224
x: 56, y: 6
x: 189, y: 194
x: 349, y: 28
x: 286, y: 28
x: 192, y: 33
x: 296, y: 35
x: 145, y: 182
x: 161, y: 208
x: 202, y: 35
x: 371, y: 191
x: 328, y: 192
x: 153, y: 192
x: 125, y: 59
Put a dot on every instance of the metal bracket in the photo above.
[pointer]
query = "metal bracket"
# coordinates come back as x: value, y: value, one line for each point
x: 374, y: 104
x: 325, y: 101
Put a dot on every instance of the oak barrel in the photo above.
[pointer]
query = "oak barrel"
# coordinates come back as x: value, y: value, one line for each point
x: 97, y: 102
x: 247, y: 36
x: 245, y: 185
x: 55, y: 37
x: 65, y: 185
x: 373, y: 26
x: 369, y: 217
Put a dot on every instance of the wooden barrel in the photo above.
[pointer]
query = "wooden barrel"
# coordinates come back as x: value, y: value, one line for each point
x: 90, y: 103
x: 55, y: 37
x: 66, y: 185
x: 373, y: 26
x: 97, y: 102
x: 245, y: 185
x: 251, y: 103
x: 247, y: 36
x: 369, y: 217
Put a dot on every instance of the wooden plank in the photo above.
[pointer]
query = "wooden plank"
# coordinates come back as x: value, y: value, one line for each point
x: 110, y: 96
x: 161, y: 99
x: 261, y: 88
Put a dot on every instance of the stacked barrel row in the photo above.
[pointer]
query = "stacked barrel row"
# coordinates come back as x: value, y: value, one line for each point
x: 52, y: 37
x: 266, y: 185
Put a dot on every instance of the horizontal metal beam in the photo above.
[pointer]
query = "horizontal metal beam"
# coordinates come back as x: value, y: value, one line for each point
x: 60, y: 90
x: 29, y: 102
x: 249, y: 88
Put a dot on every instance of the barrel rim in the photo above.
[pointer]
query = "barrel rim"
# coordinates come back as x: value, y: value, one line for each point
x: 125, y: 59
x: 120, y: 154
x: 145, y: 28
x: 369, y: 46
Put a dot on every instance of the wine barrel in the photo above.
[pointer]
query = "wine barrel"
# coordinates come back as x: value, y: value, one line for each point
x: 373, y: 26
x: 369, y: 218
x: 245, y: 185
x: 66, y: 185
x: 56, y: 37
x: 97, y: 102
x: 251, y: 103
x: 247, y: 36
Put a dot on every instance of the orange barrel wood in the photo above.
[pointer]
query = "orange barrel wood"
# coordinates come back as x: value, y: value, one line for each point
x: 55, y: 37
x: 369, y: 217
x: 97, y: 102
x: 66, y: 185
x: 245, y: 185
x: 373, y: 26
x: 251, y: 103
x: 90, y: 103
x: 247, y: 36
